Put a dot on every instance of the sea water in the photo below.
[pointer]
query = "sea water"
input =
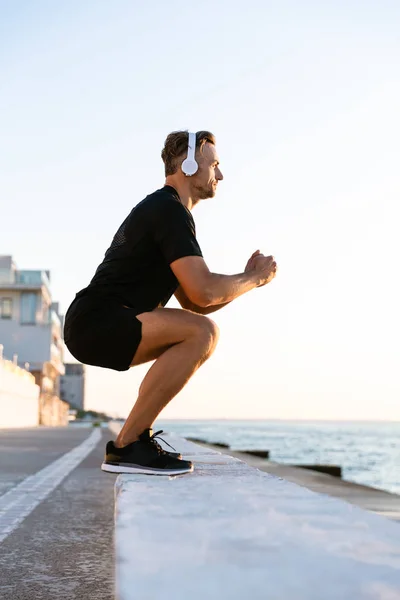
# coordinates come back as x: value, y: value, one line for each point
x: 368, y: 452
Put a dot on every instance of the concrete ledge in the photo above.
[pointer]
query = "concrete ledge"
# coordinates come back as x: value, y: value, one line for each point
x: 229, y: 531
x: 376, y: 500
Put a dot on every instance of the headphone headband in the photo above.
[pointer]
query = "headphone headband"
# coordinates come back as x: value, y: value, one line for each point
x: 191, y: 145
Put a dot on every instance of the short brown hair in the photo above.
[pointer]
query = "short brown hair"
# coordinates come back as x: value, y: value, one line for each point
x: 176, y: 145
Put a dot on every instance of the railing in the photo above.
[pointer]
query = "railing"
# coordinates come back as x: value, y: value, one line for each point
x: 38, y: 278
x: 32, y: 278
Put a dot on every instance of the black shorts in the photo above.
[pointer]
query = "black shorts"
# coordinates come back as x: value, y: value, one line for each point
x: 102, y: 332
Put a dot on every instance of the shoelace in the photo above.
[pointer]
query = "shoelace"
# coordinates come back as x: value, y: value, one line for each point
x: 156, y: 444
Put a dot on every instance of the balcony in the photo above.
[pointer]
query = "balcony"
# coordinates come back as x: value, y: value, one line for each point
x: 32, y: 278
x: 24, y: 279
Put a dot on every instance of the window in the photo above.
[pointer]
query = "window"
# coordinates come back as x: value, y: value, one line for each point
x: 6, y: 308
x: 28, y: 308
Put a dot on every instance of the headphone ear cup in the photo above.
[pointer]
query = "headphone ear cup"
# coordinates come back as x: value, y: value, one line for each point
x: 189, y: 167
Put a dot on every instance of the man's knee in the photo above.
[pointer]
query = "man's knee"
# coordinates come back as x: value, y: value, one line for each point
x: 214, y: 330
x: 208, y: 333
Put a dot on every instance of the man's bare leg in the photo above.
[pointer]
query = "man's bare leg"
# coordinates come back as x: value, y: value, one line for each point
x: 181, y: 342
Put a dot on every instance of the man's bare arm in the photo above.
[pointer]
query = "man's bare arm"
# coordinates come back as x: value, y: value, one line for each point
x: 188, y: 305
x: 206, y: 289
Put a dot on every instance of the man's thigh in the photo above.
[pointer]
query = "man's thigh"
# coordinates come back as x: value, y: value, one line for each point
x: 164, y: 327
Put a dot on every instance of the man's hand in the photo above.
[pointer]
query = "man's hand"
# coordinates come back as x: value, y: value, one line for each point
x: 264, y: 267
x: 250, y: 262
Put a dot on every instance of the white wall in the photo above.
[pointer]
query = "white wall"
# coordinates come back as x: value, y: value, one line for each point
x: 19, y: 397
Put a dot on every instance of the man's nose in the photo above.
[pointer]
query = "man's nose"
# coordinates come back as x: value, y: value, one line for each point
x: 219, y: 175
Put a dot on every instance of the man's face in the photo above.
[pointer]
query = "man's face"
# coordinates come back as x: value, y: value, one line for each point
x: 204, y: 183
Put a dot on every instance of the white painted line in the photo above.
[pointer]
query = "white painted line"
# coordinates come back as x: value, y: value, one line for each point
x: 17, y: 503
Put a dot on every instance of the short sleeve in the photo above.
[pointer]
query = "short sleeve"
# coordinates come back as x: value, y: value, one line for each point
x: 174, y: 231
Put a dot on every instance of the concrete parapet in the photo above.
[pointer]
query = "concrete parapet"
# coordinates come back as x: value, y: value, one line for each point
x: 229, y: 531
x: 19, y: 396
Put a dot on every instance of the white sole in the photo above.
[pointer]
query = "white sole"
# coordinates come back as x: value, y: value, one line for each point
x: 143, y: 470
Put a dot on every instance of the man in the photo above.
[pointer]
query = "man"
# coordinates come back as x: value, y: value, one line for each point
x: 120, y: 320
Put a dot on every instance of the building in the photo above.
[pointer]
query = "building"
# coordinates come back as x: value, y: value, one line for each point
x: 72, y: 385
x: 31, y: 333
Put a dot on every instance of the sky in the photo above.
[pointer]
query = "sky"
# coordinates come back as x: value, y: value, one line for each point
x: 303, y: 98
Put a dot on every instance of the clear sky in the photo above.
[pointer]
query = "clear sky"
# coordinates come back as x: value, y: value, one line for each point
x: 303, y: 98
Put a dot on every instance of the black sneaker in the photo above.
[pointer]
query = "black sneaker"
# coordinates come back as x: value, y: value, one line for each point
x: 148, y: 436
x: 144, y: 456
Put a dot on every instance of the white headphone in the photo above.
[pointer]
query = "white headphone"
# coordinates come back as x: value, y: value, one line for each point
x: 189, y: 165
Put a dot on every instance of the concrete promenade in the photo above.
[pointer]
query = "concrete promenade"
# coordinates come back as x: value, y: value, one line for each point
x: 63, y: 549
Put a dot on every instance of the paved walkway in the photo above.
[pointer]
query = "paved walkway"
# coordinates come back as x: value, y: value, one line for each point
x: 63, y: 549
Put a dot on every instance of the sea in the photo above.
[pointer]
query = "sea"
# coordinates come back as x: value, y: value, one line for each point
x: 368, y: 452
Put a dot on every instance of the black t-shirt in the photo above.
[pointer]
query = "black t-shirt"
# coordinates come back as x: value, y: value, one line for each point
x: 135, y: 270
